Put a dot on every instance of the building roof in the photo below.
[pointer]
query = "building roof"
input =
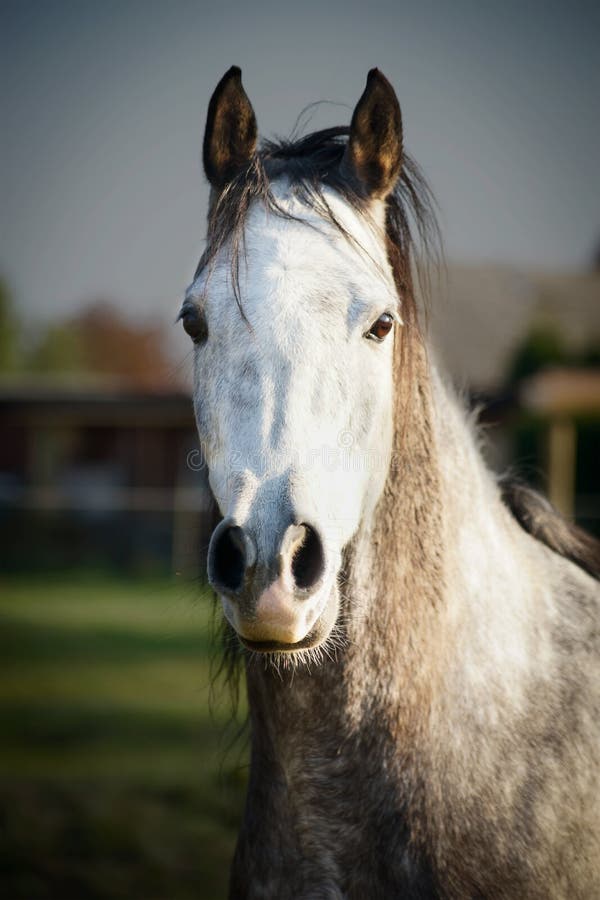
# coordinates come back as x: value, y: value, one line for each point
x: 480, y: 314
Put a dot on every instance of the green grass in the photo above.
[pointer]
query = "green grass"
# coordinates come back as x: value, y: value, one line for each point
x: 116, y: 779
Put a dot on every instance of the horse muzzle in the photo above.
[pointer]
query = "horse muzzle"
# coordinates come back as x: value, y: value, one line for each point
x: 272, y: 603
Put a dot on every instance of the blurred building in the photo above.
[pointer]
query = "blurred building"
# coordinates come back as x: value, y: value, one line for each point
x: 479, y: 314
x: 100, y: 474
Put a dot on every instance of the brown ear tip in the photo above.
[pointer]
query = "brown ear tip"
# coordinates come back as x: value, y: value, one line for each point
x: 376, y: 78
x: 233, y: 76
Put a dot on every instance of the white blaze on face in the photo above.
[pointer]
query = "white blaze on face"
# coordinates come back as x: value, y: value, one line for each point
x: 294, y: 412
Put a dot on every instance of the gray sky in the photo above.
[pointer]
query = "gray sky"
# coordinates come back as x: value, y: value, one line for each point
x: 103, y: 107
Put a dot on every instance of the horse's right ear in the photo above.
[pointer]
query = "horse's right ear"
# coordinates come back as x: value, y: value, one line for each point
x: 373, y: 156
x: 230, y: 134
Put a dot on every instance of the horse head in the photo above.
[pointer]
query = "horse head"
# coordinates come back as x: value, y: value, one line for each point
x: 292, y: 313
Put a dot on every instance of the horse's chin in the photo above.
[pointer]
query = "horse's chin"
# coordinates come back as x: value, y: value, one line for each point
x: 318, y: 633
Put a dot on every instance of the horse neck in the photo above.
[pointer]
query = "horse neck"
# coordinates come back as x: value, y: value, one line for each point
x: 451, y: 585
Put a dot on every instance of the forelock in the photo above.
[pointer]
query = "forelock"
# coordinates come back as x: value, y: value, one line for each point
x: 310, y: 164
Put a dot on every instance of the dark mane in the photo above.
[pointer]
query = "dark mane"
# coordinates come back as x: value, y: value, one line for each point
x: 311, y: 163
x: 537, y: 516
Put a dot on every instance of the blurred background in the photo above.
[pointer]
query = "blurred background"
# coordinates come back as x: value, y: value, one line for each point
x: 122, y: 771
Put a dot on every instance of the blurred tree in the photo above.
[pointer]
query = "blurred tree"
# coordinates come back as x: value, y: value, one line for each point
x: 591, y: 355
x: 541, y: 347
x: 102, y: 341
x: 60, y: 349
x: 10, y: 343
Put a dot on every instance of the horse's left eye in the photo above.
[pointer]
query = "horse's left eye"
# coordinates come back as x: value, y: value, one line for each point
x: 380, y: 328
x: 194, y: 323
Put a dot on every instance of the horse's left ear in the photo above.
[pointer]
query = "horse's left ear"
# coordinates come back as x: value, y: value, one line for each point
x: 230, y: 134
x: 373, y: 156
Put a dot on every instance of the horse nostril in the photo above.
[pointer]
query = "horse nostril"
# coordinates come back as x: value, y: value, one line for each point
x: 227, y: 557
x: 308, y: 559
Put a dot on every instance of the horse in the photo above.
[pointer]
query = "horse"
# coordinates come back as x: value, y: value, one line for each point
x: 420, y: 640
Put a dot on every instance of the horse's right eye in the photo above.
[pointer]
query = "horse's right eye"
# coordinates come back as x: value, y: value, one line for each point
x: 380, y: 328
x: 194, y: 323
